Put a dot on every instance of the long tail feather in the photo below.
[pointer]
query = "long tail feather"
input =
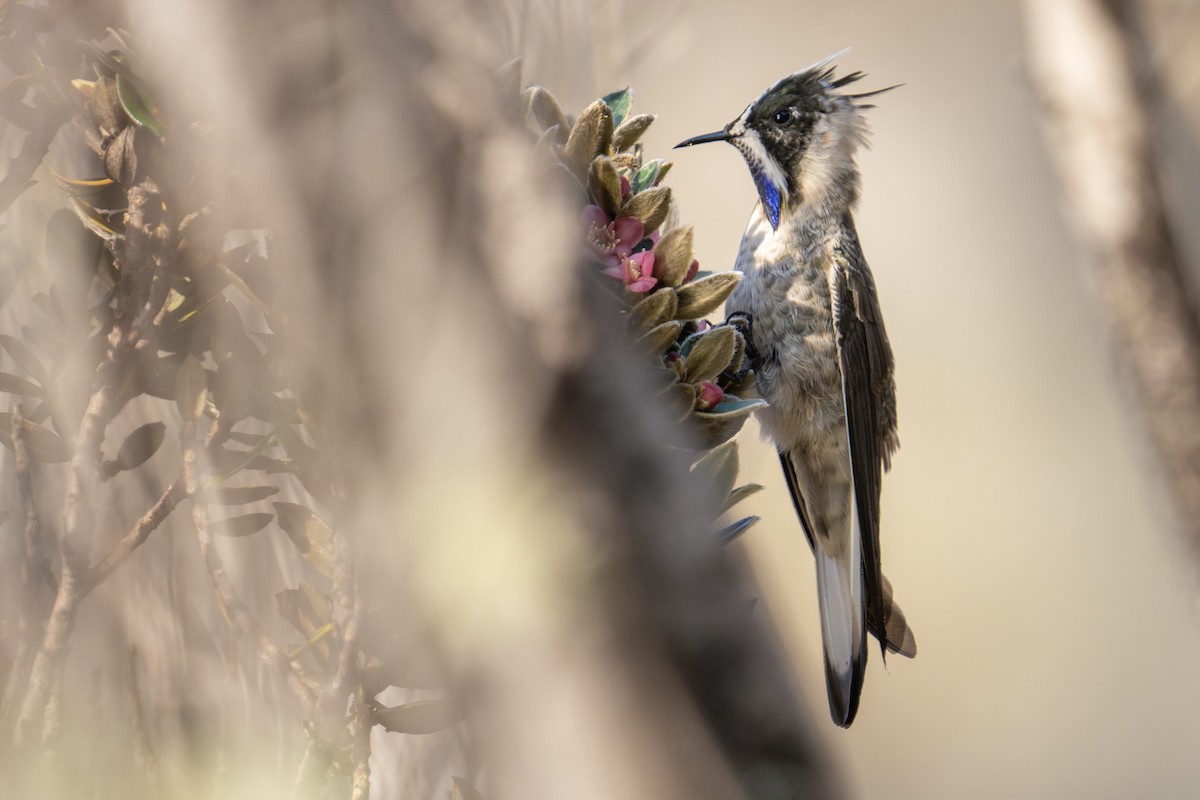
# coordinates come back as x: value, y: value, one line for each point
x: 843, y: 628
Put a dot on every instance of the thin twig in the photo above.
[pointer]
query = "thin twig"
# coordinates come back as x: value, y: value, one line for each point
x: 363, y: 721
x: 73, y: 550
x: 137, y: 535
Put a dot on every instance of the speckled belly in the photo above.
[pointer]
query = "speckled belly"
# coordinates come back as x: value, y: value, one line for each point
x: 793, y: 331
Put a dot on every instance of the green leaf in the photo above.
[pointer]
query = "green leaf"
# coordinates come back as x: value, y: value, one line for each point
x: 645, y: 177
x: 244, y: 525
x: 702, y: 297
x: 737, y: 406
x: 138, y: 104
x: 621, y: 103
x: 240, y: 495
x: 14, y: 385
x: 43, y: 445
x: 731, y: 532
x: 312, y: 535
x: 140, y: 445
x: 723, y: 421
x: 191, y: 386
x: 420, y: 716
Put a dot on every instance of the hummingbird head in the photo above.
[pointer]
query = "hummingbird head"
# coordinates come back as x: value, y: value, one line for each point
x: 799, y: 138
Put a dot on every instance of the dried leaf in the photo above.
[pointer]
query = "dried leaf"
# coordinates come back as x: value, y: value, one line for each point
x: 239, y: 495
x: 420, y: 716
x: 105, y: 105
x: 244, y: 525
x: 120, y: 157
x: 312, y: 535
x: 44, y: 445
x: 140, y: 445
x: 14, y: 385
x: 704, y: 296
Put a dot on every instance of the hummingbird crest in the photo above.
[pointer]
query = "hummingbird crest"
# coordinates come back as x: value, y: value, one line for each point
x: 799, y: 139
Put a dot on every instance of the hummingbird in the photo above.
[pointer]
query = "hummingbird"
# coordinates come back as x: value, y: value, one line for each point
x: 824, y: 362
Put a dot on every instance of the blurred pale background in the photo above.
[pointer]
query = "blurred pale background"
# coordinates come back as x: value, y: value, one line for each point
x: 1022, y: 527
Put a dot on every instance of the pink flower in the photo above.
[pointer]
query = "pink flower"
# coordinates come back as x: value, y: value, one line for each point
x: 709, y: 395
x: 692, y: 270
x: 626, y: 189
x: 637, y: 271
x: 610, y: 242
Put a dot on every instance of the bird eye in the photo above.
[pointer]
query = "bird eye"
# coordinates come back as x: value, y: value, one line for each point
x: 782, y: 116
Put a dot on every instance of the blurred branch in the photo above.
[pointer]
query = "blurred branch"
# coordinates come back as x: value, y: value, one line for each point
x: 141, y: 295
x: 1093, y: 97
x: 143, y: 749
x: 28, y: 626
x: 239, y: 615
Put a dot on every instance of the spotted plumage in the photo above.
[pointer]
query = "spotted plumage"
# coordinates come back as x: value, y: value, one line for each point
x: 825, y: 363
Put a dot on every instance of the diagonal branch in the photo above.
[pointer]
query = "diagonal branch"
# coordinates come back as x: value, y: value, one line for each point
x: 137, y: 535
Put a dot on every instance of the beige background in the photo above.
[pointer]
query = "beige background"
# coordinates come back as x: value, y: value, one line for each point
x: 1023, y: 530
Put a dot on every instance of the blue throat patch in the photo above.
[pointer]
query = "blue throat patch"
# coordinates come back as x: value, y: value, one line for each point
x: 768, y: 192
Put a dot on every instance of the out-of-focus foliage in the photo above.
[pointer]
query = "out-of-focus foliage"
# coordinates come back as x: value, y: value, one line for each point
x: 158, y: 312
